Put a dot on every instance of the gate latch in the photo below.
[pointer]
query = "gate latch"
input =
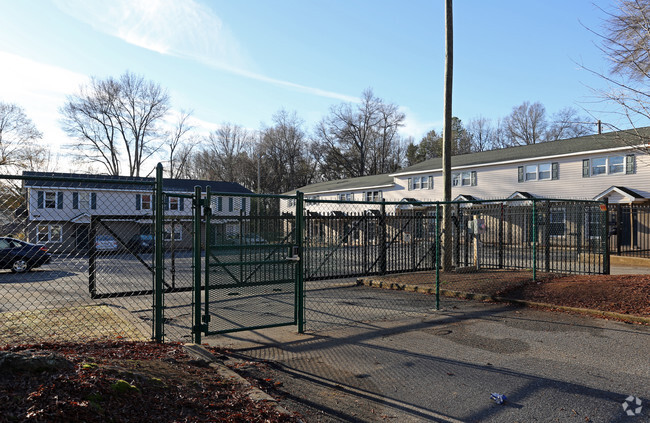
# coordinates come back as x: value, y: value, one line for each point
x: 294, y: 255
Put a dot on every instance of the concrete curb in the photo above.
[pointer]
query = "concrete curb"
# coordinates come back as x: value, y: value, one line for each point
x: 256, y: 395
x: 485, y: 297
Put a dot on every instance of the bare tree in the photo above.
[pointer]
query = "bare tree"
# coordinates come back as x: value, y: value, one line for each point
x: 360, y: 136
x: 482, y: 134
x: 526, y: 124
x: 626, y: 45
x: 18, y: 138
x: 113, y: 119
x: 180, y: 144
x: 285, y: 154
x: 567, y: 123
x: 225, y: 150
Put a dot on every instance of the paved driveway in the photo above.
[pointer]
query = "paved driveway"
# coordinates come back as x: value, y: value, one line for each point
x: 443, y: 366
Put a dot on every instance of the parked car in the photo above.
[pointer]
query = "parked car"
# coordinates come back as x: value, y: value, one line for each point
x: 21, y: 256
x: 141, y: 243
x: 106, y: 243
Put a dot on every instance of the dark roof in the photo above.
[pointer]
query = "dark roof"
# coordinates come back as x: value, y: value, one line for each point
x: 72, y: 180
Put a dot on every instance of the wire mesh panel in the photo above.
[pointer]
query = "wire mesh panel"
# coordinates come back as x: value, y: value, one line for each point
x: 66, y: 247
x: 251, y: 265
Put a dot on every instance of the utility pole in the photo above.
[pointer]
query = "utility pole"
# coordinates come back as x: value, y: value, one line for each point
x: 447, y: 137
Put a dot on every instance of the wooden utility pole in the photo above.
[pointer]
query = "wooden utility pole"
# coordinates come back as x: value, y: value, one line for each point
x: 447, y: 137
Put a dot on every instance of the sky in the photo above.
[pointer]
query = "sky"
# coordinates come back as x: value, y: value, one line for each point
x: 242, y: 61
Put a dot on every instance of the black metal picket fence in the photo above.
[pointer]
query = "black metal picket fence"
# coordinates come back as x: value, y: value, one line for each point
x: 345, y: 238
x: 629, y: 233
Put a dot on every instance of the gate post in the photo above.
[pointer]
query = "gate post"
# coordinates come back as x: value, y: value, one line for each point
x: 606, y: 252
x: 196, y: 259
x: 300, y: 300
x: 438, y: 256
x: 547, y: 238
x: 382, y: 238
x: 158, y: 257
x: 534, y: 240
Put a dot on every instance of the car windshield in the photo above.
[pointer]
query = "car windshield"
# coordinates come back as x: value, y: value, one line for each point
x: 146, y: 237
x: 104, y: 238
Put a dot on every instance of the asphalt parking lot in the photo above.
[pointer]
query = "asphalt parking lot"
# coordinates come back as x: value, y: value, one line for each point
x: 443, y: 366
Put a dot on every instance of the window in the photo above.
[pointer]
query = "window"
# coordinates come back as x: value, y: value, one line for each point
x: 49, y: 199
x: 599, y: 166
x: 49, y: 233
x: 531, y: 172
x: 173, y: 203
x: 84, y: 200
x: 416, y: 183
x: 539, y: 172
x: 419, y: 182
x: 463, y: 179
x: 373, y: 195
x: 146, y: 202
x: 425, y: 182
x: 346, y: 197
x: 290, y: 202
x: 616, y: 164
x: 557, y: 222
x: 544, y: 171
x: 611, y: 165
x: 173, y: 230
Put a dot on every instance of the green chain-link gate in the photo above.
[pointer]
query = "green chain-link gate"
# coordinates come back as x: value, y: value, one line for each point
x: 252, y: 277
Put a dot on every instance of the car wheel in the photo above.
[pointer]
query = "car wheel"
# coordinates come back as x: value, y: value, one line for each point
x: 19, y: 266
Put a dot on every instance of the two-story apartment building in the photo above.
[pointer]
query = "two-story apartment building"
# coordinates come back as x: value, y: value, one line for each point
x: 59, y: 212
x: 614, y: 165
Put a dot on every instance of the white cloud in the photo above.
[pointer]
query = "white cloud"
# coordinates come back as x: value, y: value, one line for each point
x: 40, y: 89
x: 415, y: 128
x: 181, y: 28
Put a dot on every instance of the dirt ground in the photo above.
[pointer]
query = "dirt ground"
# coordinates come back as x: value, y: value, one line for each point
x: 627, y: 294
x: 120, y: 382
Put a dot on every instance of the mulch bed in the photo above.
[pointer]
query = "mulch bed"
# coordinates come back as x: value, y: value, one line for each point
x: 626, y: 294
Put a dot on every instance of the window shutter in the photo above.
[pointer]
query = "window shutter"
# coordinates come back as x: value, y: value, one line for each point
x: 40, y: 201
x: 555, y: 170
x: 219, y: 203
x: 59, y: 200
x: 410, y: 183
x: 137, y: 201
x: 473, y: 178
x: 243, y: 204
x: 75, y: 200
x: 630, y: 164
x: 430, y: 182
x: 181, y: 204
x: 231, y: 203
x: 93, y: 200
x: 585, y: 168
x: 165, y: 203
x: 520, y: 174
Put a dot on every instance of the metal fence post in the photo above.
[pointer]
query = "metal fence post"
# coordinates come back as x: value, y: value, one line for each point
x: 382, y: 238
x: 196, y: 259
x: 547, y: 238
x: 437, y: 256
x: 158, y: 265
x: 300, y: 303
x: 606, y: 252
x: 534, y: 240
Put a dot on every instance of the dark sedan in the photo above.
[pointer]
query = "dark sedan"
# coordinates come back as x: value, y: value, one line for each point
x: 21, y: 256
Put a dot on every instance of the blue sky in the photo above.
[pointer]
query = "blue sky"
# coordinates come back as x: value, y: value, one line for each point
x: 241, y: 61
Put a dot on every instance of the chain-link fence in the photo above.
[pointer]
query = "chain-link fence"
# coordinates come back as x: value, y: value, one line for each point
x: 78, y: 262
x: 493, y: 246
